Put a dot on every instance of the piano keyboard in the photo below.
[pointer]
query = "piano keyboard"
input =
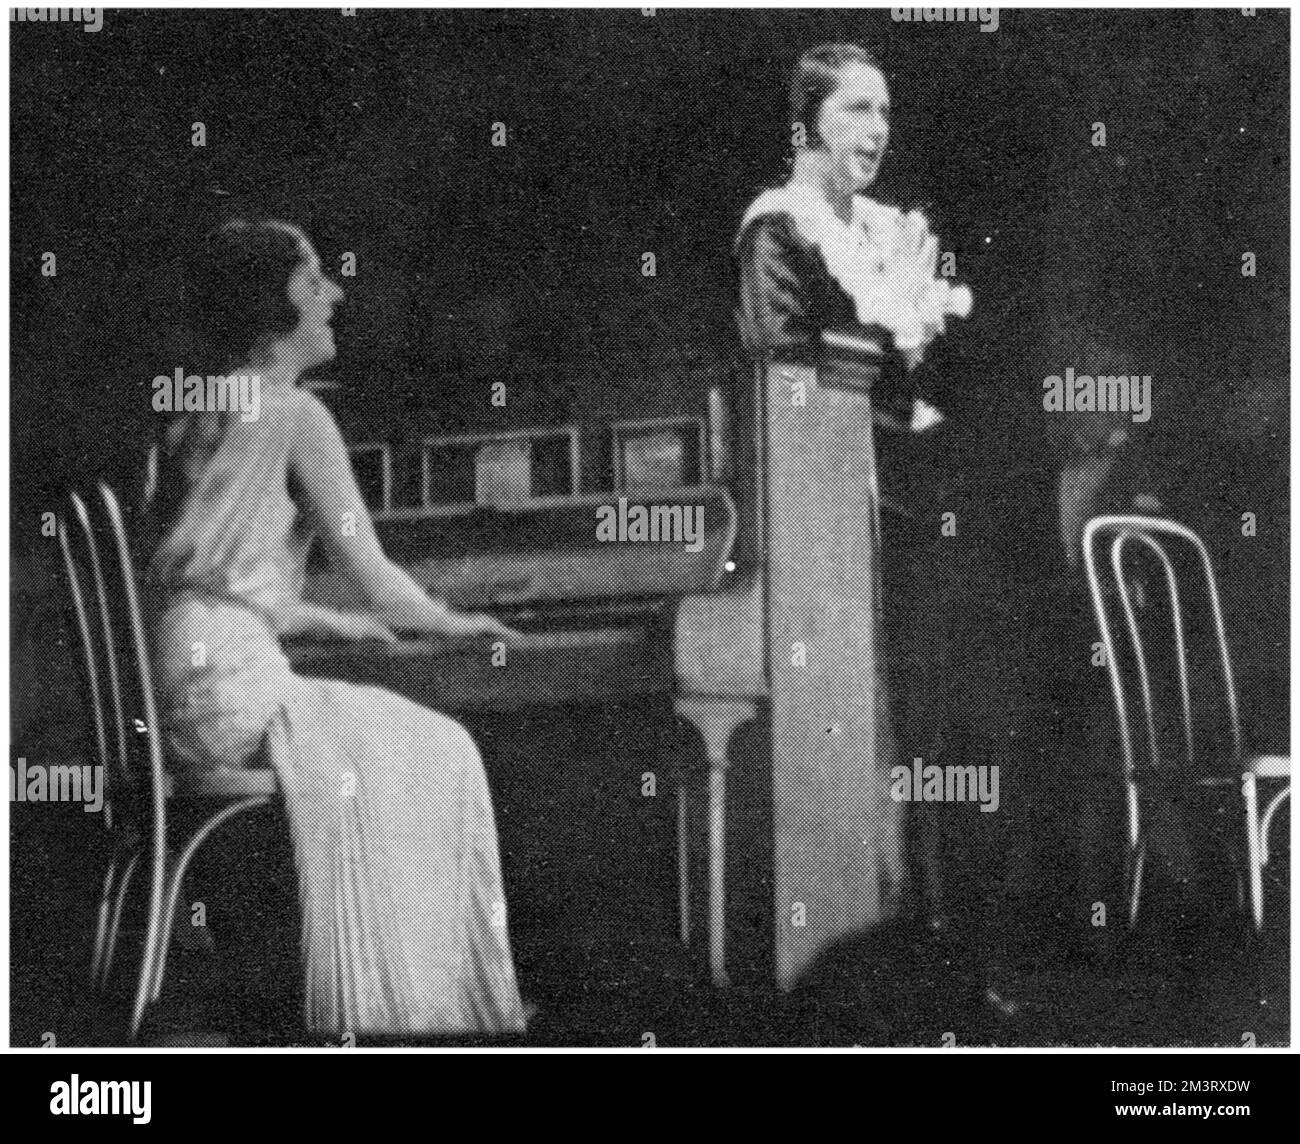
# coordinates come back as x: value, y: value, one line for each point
x: 541, y: 668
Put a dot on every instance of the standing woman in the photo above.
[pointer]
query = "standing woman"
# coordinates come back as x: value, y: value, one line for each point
x: 403, y: 911
x: 816, y: 255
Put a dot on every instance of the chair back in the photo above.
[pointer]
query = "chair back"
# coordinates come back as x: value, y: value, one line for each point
x: 110, y: 623
x: 1176, y: 549
x: 102, y: 691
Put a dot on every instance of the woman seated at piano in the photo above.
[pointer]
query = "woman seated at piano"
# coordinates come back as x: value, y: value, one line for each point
x: 817, y: 256
x: 395, y: 841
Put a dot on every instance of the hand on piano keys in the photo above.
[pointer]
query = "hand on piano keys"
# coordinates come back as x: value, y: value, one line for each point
x: 469, y: 625
x: 363, y: 627
x: 468, y: 674
x: 439, y: 623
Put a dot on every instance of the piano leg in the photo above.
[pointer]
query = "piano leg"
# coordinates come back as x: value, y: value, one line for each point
x: 683, y: 865
x: 716, y: 720
x: 718, y: 866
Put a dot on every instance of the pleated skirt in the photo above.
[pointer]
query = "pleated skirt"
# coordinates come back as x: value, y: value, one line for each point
x: 404, y: 915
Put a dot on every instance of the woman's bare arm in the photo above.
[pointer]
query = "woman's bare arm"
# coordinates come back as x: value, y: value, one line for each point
x: 300, y: 618
x: 320, y: 464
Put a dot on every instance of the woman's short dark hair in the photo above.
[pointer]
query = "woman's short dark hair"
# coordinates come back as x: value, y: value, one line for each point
x: 237, y: 291
x: 816, y: 75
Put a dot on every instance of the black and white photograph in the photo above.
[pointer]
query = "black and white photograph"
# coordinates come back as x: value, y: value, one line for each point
x: 649, y: 528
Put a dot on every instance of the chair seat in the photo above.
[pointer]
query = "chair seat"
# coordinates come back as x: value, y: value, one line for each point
x: 221, y: 783
x: 1269, y: 766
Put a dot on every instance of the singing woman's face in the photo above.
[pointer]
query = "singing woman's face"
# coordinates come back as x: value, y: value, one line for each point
x: 315, y: 297
x: 854, y: 126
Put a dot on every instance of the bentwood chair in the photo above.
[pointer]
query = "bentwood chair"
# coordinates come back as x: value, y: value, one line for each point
x: 138, y: 785
x: 1142, y: 754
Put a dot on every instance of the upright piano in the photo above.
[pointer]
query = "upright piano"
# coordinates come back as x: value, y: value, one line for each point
x: 769, y: 617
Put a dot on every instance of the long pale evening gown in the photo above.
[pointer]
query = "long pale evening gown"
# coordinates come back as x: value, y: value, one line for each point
x: 404, y: 923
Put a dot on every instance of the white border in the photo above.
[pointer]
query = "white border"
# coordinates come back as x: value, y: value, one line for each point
x: 959, y: 1051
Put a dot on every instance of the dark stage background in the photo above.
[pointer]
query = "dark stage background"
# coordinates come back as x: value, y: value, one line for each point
x: 629, y: 134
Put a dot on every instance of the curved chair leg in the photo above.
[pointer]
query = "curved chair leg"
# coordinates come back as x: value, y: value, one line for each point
x: 177, y: 876
x: 1258, y: 828
x: 1138, y: 859
x: 102, y: 914
x: 1254, y: 859
x: 1133, y: 806
x: 1137, y: 849
x: 149, y: 950
x: 1267, y: 824
x: 115, y: 925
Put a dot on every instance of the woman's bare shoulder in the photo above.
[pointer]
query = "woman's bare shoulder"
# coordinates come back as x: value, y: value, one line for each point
x: 314, y: 431
x: 310, y: 412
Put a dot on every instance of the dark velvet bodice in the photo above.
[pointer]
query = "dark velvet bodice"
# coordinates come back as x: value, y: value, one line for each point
x: 787, y: 295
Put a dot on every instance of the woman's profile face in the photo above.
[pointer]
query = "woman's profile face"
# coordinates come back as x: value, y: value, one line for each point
x: 854, y: 126
x: 314, y: 296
